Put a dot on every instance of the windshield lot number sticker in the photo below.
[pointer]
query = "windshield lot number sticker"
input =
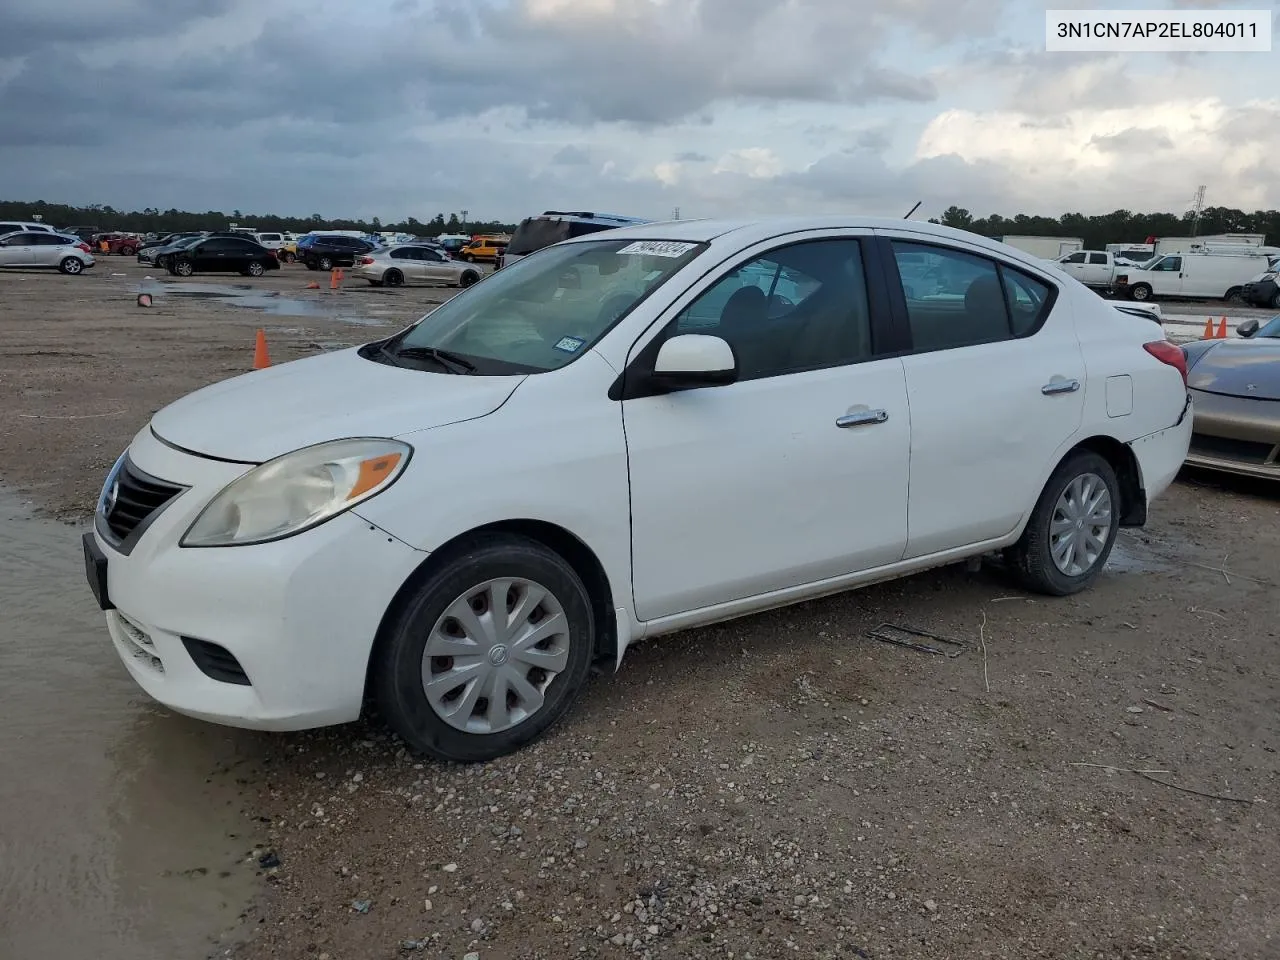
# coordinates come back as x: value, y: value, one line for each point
x: 570, y: 344
x: 657, y: 248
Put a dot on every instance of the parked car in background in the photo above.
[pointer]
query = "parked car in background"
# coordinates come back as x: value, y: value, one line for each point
x: 40, y: 248
x: 550, y: 227
x: 324, y: 251
x: 413, y: 263
x: 483, y: 250
x: 163, y: 256
x: 147, y: 252
x: 1093, y: 268
x: 1192, y: 276
x: 452, y: 243
x: 122, y: 244
x: 394, y: 524
x: 1235, y: 384
x: 272, y: 241
x: 1263, y: 290
x: 223, y: 255
x: 27, y: 226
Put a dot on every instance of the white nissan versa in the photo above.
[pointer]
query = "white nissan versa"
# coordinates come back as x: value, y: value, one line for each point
x: 620, y: 436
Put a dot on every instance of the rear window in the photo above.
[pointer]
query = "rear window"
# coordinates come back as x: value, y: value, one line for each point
x: 535, y: 233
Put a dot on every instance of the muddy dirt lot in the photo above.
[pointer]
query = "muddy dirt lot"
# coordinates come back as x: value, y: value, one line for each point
x: 1089, y: 777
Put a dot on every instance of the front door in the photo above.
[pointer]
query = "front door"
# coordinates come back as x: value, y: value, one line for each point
x: 436, y: 268
x: 794, y: 474
x: 17, y: 251
x: 996, y: 379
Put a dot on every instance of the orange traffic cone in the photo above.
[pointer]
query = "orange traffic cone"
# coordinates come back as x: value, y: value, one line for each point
x: 313, y: 285
x: 261, y: 358
x: 1222, y: 329
x: 1208, y: 329
x: 335, y: 278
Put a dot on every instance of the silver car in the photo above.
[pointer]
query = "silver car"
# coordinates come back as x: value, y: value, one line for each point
x: 413, y: 263
x: 32, y: 249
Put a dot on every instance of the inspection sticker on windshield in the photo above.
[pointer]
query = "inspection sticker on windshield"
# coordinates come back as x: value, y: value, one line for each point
x: 658, y: 248
x: 570, y: 344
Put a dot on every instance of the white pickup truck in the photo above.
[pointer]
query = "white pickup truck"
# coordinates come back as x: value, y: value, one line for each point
x: 1093, y: 268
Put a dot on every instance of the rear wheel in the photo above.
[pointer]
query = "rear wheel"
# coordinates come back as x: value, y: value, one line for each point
x: 128, y: 251
x: 1140, y: 291
x: 324, y: 263
x: 288, y: 257
x: 1275, y: 301
x: 1235, y: 295
x: 468, y: 278
x: 1072, y: 529
x: 488, y: 652
x: 184, y: 268
x: 71, y: 265
x: 255, y: 268
x: 393, y: 278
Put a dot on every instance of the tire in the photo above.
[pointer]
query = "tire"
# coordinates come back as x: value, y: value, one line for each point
x: 288, y: 257
x: 393, y: 278
x: 1275, y: 301
x: 184, y: 268
x: 255, y: 269
x: 72, y: 266
x: 1235, y: 295
x: 468, y: 278
x: 421, y: 617
x: 1140, y: 292
x: 324, y: 263
x: 127, y: 251
x: 468, y: 258
x: 1032, y: 557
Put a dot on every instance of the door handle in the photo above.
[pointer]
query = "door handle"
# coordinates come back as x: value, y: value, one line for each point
x: 862, y: 418
x: 1060, y: 386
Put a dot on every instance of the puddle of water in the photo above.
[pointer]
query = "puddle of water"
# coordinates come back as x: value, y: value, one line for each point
x: 1131, y: 555
x: 253, y: 298
x: 109, y: 806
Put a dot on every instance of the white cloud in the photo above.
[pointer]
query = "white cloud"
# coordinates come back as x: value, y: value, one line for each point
x: 756, y: 162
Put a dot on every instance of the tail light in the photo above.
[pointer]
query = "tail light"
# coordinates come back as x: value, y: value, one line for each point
x: 1169, y: 353
x: 366, y: 261
x: 83, y: 246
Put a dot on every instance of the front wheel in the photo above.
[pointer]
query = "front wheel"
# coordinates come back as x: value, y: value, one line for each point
x: 184, y: 268
x: 1140, y: 292
x: 288, y: 257
x: 487, y: 653
x: 71, y: 265
x: 1072, y: 529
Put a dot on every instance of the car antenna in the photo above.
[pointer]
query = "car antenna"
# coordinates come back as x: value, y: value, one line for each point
x: 913, y: 210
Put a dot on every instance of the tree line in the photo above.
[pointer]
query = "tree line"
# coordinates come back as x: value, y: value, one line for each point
x: 1119, y: 226
x: 151, y: 220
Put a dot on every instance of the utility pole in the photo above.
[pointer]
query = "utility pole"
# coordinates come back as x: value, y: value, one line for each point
x: 1197, y: 207
x: 464, y: 220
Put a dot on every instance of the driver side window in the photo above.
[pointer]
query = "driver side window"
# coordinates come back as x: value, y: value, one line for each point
x: 797, y: 308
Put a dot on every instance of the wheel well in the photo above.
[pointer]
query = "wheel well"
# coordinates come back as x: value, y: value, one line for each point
x: 579, y: 556
x: 1133, y: 499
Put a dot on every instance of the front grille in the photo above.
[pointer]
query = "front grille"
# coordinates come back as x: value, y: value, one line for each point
x: 215, y: 662
x: 1225, y: 448
x: 138, y: 497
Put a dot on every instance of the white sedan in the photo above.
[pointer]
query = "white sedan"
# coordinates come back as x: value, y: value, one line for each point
x: 413, y: 263
x: 623, y: 435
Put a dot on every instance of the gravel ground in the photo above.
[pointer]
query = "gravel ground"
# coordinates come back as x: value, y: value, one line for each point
x: 1093, y: 777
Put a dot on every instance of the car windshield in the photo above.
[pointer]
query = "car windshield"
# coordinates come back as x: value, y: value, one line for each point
x: 545, y: 310
x: 1269, y: 329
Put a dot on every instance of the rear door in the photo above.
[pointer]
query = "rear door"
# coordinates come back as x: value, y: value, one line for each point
x: 47, y: 249
x: 995, y: 377
x: 1098, y: 270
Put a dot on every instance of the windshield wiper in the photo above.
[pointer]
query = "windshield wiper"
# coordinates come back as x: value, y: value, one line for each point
x: 450, y: 361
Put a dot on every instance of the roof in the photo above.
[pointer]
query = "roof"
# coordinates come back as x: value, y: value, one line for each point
x: 750, y: 230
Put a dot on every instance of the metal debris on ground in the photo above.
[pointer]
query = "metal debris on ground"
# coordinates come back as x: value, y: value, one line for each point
x: 910, y: 638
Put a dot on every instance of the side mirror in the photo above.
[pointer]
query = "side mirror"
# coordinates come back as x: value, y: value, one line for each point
x: 694, y: 360
x: 1248, y: 328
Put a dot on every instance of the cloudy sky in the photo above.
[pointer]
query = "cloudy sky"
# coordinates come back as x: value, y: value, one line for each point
x: 403, y: 108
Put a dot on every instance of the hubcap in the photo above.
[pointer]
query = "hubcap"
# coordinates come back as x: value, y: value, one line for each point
x: 1080, y: 525
x: 493, y: 653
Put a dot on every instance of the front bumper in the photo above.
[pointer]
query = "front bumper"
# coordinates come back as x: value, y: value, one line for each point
x: 298, y: 617
x: 1236, y: 435
x: 1260, y: 294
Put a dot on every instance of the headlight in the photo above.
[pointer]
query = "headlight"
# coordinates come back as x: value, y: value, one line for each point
x: 297, y: 491
x: 109, y: 483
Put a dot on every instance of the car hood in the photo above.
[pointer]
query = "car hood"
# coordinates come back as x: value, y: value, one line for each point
x: 1239, y: 368
x: 266, y: 413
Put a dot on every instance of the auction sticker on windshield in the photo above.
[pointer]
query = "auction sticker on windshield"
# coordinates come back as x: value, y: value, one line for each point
x: 658, y: 248
x: 570, y: 344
